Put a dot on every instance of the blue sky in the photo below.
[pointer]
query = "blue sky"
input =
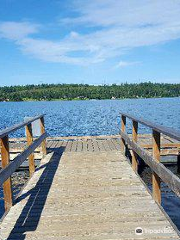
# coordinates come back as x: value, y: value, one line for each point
x: 94, y: 42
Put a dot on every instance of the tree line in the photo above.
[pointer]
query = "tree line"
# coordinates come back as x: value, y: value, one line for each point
x: 49, y: 92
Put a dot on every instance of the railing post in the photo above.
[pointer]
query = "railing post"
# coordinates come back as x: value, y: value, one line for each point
x: 29, y: 142
x: 134, y: 154
x: 123, y: 129
x: 156, y: 181
x: 42, y: 126
x: 7, y: 186
x: 178, y: 162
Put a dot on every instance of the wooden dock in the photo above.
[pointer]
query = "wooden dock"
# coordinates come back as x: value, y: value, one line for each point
x: 86, y: 189
x: 92, y: 196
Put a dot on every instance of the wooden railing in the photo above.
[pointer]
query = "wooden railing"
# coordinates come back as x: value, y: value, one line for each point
x: 8, y: 168
x: 160, y: 172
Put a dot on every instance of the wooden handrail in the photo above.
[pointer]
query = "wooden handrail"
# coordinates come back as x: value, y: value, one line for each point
x: 159, y: 171
x: 175, y: 134
x: 14, y: 128
x: 9, y: 168
x: 6, y: 172
x: 165, y: 174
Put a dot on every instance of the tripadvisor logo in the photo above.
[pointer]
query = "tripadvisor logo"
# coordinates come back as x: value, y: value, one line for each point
x: 138, y: 231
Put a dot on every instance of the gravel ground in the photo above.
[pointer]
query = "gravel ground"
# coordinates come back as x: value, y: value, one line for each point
x: 18, y: 180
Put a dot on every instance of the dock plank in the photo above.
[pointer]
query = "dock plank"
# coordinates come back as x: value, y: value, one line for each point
x: 79, y: 146
x: 59, y: 144
x: 69, y: 146
x: 101, y: 145
x: 95, y: 145
x: 74, y: 146
x: 79, y: 196
x: 85, y: 146
x: 90, y: 145
x: 116, y: 144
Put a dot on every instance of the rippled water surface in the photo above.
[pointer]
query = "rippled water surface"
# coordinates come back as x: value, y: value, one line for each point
x: 65, y: 118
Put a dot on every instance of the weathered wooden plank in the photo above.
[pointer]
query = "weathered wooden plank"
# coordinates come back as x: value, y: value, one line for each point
x: 90, y: 145
x: 79, y: 146
x: 144, y: 141
x: 53, y: 144
x: 123, y: 129
x: 92, y: 196
x: 85, y: 145
x: 170, y: 132
x: 95, y: 145
x: 106, y: 145
x: 74, y: 146
x: 134, y: 154
x: 156, y: 181
x: 164, y: 152
x: 68, y: 147
x: 18, y: 126
x: 116, y: 143
x: 82, y: 137
x: 7, y: 185
x: 17, y: 145
x: 42, y: 128
x: 50, y: 143
x: 63, y: 147
x: 101, y: 145
x: 6, y: 172
x: 163, y: 145
x: 111, y: 145
x: 58, y: 144
x: 29, y: 142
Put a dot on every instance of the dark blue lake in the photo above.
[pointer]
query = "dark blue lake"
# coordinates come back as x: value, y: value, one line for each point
x: 73, y: 118
x: 77, y: 118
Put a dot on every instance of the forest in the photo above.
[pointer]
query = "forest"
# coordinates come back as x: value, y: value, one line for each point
x: 44, y: 92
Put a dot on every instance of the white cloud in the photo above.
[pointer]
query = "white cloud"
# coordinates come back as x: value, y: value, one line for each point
x: 127, y: 13
x: 17, y: 30
x: 123, y: 64
x: 114, y: 27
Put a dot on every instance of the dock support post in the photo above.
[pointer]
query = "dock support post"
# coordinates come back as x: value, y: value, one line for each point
x: 156, y: 181
x: 43, y: 145
x: 123, y: 129
x: 134, y: 154
x: 29, y: 142
x: 178, y: 162
x: 7, y: 186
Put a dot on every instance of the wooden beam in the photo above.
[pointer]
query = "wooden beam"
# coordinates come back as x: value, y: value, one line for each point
x: 165, y: 174
x: 163, y: 145
x: 123, y: 129
x: 134, y: 154
x: 164, y: 152
x: 156, y: 181
x: 178, y: 163
x: 7, y: 131
x: 29, y: 142
x: 170, y: 132
x: 7, y: 186
x: 43, y: 145
x: 17, y: 161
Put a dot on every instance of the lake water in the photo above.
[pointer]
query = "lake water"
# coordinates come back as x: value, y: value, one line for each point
x: 77, y: 118
x: 73, y: 118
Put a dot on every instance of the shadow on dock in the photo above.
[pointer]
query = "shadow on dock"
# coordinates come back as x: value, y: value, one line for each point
x: 31, y: 213
x: 58, y: 150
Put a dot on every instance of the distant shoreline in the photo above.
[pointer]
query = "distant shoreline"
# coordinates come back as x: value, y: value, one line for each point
x: 67, y: 92
x: 56, y: 100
